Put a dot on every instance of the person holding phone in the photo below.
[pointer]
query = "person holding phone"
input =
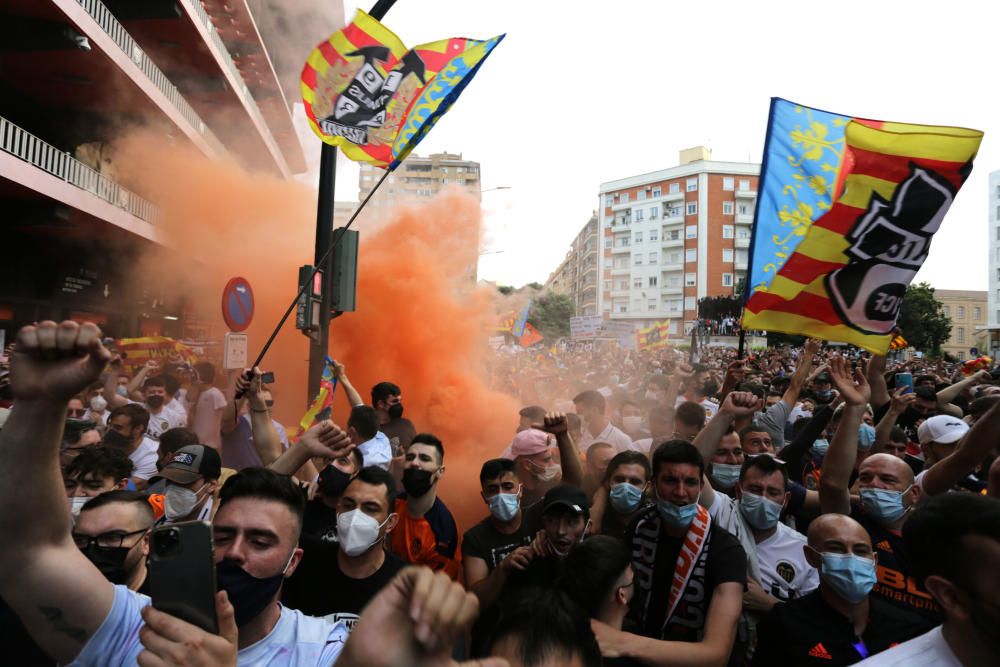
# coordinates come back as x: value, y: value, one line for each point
x: 205, y: 406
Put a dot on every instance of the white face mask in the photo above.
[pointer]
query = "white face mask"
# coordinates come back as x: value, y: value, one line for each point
x: 76, y: 503
x: 357, y: 532
x: 632, y: 423
x: 179, y: 501
x: 97, y: 404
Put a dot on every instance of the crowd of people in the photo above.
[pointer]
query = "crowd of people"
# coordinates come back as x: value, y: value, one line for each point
x: 800, y: 506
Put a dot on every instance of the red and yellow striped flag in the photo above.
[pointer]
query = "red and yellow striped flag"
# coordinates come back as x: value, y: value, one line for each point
x: 846, y: 278
x: 654, y: 336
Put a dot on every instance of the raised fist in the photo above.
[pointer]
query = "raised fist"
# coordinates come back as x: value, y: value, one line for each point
x: 54, y: 362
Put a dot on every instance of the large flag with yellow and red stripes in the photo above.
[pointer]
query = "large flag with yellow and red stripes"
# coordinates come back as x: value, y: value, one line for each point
x: 654, y: 336
x: 846, y: 211
x: 364, y: 91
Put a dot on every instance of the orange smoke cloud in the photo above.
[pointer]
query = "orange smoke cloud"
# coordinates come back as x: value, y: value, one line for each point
x: 420, y: 321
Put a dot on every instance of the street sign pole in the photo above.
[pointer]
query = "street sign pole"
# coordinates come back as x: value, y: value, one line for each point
x: 319, y: 344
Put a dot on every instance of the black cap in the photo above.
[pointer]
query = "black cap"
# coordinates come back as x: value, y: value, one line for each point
x: 569, y: 496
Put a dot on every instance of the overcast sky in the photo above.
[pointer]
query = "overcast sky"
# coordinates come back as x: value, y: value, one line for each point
x: 584, y: 92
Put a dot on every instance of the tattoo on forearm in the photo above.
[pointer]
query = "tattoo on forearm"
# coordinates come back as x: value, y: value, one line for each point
x: 58, y: 621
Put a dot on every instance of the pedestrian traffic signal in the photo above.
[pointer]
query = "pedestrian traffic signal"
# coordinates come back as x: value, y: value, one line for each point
x: 344, y: 279
x: 308, y: 309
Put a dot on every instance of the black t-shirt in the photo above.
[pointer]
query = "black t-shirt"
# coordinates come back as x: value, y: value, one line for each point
x: 484, y: 541
x: 807, y: 631
x: 616, y: 525
x: 726, y: 562
x: 319, y: 588
x: 319, y: 524
x: 896, y: 585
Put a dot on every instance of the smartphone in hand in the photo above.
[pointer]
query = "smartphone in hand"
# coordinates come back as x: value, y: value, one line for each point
x: 905, y: 380
x: 182, y: 572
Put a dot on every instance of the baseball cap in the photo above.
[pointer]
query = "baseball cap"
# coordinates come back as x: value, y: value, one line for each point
x: 191, y: 462
x: 942, y: 428
x: 527, y: 442
x: 566, y: 495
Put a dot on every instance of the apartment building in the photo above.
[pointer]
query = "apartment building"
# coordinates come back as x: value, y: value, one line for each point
x: 968, y: 310
x: 419, y: 177
x: 578, y: 274
x: 674, y: 236
x: 73, y: 73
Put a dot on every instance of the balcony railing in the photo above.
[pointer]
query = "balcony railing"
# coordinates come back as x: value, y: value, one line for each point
x: 48, y: 158
x: 109, y: 24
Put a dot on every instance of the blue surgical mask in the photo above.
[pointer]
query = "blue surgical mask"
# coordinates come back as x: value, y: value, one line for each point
x: 824, y: 394
x: 820, y: 446
x: 725, y: 474
x: 851, y: 577
x: 678, y: 517
x: 866, y: 436
x: 760, y: 512
x: 625, y: 498
x: 504, y: 506
x: 885, y: 505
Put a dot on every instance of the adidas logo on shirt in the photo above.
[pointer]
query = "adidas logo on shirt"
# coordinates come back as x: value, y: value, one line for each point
x: 818, y: 651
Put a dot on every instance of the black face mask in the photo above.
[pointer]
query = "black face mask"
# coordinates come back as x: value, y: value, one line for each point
x: 110, y: 561
x: 155, y: 402
x: 333, y: 481
x: 395, y: 411
x: 248, y: 594
x: 113, y: 438
x: 417, y: 482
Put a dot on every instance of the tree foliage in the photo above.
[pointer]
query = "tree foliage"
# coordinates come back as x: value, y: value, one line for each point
x: 922, y: 320
x: 550, y: 314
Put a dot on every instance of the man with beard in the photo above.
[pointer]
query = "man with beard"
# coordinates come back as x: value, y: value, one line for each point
x: 427, y: 533
x: 591, y: 406
x: 127, y: 433
x: 387, y: 399
x: 66, y: 604
x: 154, y: 392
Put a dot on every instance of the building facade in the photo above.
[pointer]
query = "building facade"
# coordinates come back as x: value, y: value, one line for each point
x: 578, y: 274
x: 73, y: 73
x: 968, y: 310
x: 672, y: 237
x: 419, y: 177
x: 993, y: 245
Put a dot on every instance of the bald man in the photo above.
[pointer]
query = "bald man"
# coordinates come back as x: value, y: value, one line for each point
x: 598, y: 457
x: 840, y: 623
x: 888, y: 494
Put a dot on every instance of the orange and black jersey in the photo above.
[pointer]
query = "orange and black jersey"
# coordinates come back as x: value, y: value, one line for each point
x: 432, y: 540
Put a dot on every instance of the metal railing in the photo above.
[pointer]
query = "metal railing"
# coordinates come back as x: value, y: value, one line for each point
x: 26, y: 146
x: 109, y: 24
x: 213, y: 34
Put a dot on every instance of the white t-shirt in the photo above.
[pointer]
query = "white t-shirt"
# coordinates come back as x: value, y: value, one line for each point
x: 784, y: 571
x: 612, y: 435
x: 144, y: 458
x: 166, y: 420
x: 207, y: 421
x: 297, y: 640
x: 176, y: 407
x: 377, y: 451
x: 928, y: 649
x: 642, y: 446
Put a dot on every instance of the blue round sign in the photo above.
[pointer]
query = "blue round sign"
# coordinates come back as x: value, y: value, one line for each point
x: 237, y: 304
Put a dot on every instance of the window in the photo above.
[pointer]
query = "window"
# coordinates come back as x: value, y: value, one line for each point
x: 637, y: 282
x: 622, y: 308
x: 743, y: 234
x: 691, y: 255
x: 675, y: 258
x: 654, y: 234
x: 623, y: 198
x: 653, y: 212
x: 691, y: 232
x: 637, y: 259
x: 622, y: 285
x: 652, y: 281
x: 692, y: 184
x: 727, y: 280
x: 947, y: 310
x: 998, y: 228
x: 636, y: 305
x: 657, y: 192
x: 961, y: 312
x: 674, y: 212
x: 728, y: 183
x: 607, y: 285
x: 961, y: 355
x: 651, y: 305
x: 977, y: 314
x: 654, y: 257
x: 674, y: 281
x: 675, y: 235
x: 689, y: 303
x: 638, y: 215
x: 624, y: 241
x: 675, y: 188
x: 727, y: 208
x: 727, y: 255
x: 744, y: 185
x: 744, y: 209
x: 609, y: 201
x: 638, y: 237
x: 640, y: 195
x: 692, y: 208
x: 728, y: 231
x: 621, y: 262
x: 960, y: 332
x: 690, y: 280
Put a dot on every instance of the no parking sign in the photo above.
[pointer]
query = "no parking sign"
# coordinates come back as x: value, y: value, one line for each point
x: 237, y: 304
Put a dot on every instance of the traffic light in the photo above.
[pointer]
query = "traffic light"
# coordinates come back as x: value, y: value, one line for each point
x: 307, y: 311
x: 344, y: 281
